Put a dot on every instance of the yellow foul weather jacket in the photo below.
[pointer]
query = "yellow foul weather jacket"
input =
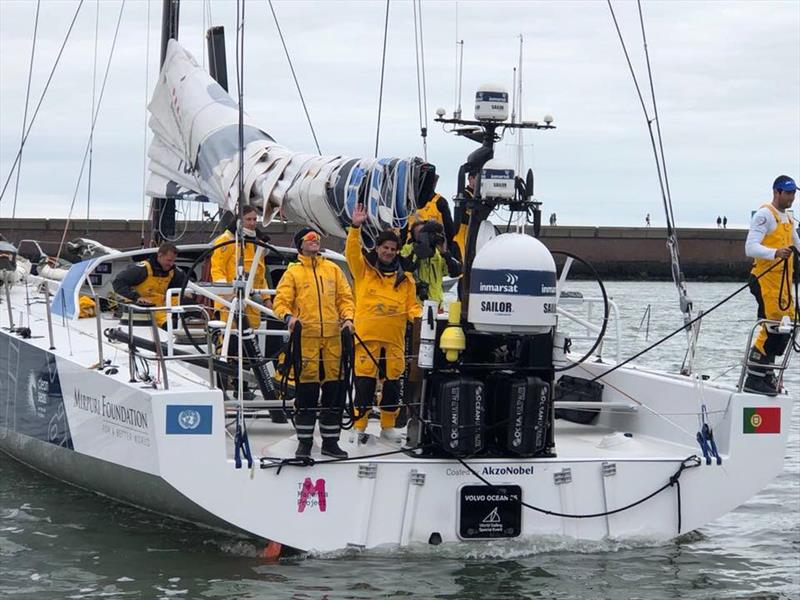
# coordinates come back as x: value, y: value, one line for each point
x: 384, y: 301
x: 224, y: 262
x: 776, y: 298
x: 147, y: 281
x: 314, y: 290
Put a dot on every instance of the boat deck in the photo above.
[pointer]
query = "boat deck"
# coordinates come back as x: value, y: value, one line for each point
x: 574, y: 442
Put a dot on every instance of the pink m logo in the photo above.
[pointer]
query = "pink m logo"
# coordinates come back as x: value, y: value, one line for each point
x: 309, y: 490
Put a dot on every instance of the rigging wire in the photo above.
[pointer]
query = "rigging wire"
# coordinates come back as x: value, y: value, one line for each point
x: 27, y: 99
x: 41, y: 99
x: 144, y: 136
x: 294, y: 76
x: 94, y: 121
x: 422, y: 95
x: 424, y: 83
x: 660, y: 155
x: 94, y: 99
x: 383, y: 70
x: 658, y: 149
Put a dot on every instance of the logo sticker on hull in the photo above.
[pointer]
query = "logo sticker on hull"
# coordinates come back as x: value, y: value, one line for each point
x: 189, y: 419
x: 762, y: 419
x: 312, y: 494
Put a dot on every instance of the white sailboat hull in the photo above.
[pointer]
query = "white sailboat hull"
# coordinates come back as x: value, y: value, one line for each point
x: 126, y: 440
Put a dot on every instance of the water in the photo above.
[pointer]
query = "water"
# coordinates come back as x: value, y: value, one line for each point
x: 60, y: 542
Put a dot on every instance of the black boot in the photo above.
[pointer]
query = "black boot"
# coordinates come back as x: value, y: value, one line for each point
x: 759, y: 385
x: 330, y: 447
x: 303, y: 449
x: 330, y: 419
x: 306, y: 417
x: 760, y: 380
x: 278, y: 416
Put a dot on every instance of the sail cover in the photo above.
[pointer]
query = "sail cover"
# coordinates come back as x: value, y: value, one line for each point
x: 195, y: 155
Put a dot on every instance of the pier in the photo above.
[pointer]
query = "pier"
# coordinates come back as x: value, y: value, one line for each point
x: 616, y: 252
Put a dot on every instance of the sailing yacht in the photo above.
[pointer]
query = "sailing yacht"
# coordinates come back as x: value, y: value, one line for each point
x: 510, y: 434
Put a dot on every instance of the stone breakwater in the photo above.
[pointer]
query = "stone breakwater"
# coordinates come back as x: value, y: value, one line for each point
x: 616, y: 252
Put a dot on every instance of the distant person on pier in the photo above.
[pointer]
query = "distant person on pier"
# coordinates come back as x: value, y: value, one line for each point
x: 771, y: 240
x: 724, y: 222
x: 647, y: 220
x: 719, y: 222
x: 146, y: 283
x: 314, y: 293
x: 386, y: 299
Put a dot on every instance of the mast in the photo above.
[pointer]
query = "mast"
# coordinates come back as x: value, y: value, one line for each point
x: 217, y: 63
x: 163, y: 209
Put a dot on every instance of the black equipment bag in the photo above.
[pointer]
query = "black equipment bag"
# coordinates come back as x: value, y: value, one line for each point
x: 456, y: 410
x: 520, y: 408
x: 575, y: 389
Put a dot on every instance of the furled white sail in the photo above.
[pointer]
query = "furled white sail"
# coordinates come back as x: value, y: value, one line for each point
x: 195, y: 155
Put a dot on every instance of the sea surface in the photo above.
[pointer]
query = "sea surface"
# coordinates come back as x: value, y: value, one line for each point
x: 60, y: 542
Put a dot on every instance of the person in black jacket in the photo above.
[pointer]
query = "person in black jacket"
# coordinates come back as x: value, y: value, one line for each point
x: 146, y: 283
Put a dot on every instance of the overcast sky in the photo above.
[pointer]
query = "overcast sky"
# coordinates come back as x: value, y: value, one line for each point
x: 726, y: 74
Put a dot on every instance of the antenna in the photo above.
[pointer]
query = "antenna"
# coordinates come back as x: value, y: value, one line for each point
x: 459, y: 77
x: 521, y: 132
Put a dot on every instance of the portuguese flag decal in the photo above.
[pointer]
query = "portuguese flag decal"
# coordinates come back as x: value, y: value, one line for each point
x: 762, y: 419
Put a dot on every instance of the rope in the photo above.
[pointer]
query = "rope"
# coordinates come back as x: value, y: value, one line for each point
x: 383, y: 70
x: 688, y: 324
x: 294, y: 76
x: 27, y: 99
x: 689, y: 462
x: 91, y: 133
x: 41, y: 99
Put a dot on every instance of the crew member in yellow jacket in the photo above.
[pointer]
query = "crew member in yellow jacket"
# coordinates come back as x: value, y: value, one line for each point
x: 225, y: 261
x: 386, y: 299
x: 432, y: 206
x: 771, y: 239
x: 146, y: 283
x: 462, y: 215
x: 314, y: 292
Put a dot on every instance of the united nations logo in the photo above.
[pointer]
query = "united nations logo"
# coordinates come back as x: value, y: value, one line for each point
x: 189, y: 419
x: 755, y: 420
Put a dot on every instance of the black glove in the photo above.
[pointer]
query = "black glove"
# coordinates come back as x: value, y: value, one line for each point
x: 423, y: 248
x: 422, y: 290
x: 261, y: 235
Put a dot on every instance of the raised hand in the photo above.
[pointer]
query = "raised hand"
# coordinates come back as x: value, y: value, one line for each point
x: 359, y: 215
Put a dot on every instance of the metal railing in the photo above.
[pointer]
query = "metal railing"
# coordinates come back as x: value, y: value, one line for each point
x: 592, y: 330
x: 162, y: 359
x: 772, y: 327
